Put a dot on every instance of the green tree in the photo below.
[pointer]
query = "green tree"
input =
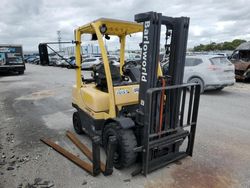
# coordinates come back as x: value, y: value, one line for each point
x: 237, y: 42
x: 219, y: 46
x: 199, y: 48
x: 228, y: 46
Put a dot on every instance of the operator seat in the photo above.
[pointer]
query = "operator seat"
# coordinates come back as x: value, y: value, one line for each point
x: 133, y: 73
x: 101, y: 81
x: 132, y: 69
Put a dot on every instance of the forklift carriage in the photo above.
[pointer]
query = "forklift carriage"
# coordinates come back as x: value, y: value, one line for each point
x: 152, y: 116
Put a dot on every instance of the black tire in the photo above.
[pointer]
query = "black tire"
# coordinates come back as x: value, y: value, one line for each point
x: 77, y: 123
x: 219, y: 89
x: 21, y: 72
x: 198, y: 81
x: 124, y: 155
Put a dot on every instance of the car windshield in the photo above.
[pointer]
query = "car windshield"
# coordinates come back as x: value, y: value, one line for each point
x: 15, y: 60
x: 220, y: 61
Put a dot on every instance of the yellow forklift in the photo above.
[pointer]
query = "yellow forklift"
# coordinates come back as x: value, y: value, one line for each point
x: 152, y: 116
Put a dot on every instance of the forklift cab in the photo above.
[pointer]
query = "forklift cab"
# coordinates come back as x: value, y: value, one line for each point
x: 110, y: 87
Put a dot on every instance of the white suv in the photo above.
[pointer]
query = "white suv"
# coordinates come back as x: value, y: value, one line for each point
x: 91, y: 61
x: 210, y: 71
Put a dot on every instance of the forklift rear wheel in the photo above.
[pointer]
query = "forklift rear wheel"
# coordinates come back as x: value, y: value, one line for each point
x: 77, y: 123
x: 124, y: 155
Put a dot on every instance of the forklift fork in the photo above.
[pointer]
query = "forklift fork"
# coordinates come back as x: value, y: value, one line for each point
x: 96, y: 166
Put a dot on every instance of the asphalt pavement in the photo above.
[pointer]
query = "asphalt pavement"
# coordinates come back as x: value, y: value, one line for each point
x: 38, y: 105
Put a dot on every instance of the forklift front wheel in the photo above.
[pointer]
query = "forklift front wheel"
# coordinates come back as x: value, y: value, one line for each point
x: 77, y: 123
x: 124, y: 155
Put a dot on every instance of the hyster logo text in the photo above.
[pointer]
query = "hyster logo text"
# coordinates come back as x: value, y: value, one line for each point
x: 144, y: 73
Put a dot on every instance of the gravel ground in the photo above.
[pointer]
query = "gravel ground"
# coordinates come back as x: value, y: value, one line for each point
x: 38, y: 104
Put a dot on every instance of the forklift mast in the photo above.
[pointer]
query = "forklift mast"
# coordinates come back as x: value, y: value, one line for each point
x: 161, y: 117
x: 177, y: 29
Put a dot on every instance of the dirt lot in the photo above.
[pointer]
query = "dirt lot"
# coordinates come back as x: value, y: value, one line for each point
x: 38, y: 104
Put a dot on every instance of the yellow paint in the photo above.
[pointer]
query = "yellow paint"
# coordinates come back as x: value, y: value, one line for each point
x: 126, y: 95
x: 122, y: 52
x: 96, y: 103
x: 78, y: 58
x: 95, y: 99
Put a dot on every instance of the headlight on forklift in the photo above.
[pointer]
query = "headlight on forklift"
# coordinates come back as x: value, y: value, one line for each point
x: 103, y: 29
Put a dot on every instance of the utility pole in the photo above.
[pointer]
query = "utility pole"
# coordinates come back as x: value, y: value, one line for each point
x: 59, y: 38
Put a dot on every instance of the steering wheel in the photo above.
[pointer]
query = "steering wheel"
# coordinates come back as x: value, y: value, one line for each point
x: 128, y: 65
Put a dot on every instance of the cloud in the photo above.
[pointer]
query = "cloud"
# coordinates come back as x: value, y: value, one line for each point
x: 30, y: 22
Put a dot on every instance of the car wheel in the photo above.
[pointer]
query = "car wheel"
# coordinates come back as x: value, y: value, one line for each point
x: 219, y: 89
x: 247, y: 79
x: 198, y: 81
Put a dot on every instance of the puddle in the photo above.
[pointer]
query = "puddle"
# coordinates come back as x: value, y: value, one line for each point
x: 37, y: 95
x: 195, y: 175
